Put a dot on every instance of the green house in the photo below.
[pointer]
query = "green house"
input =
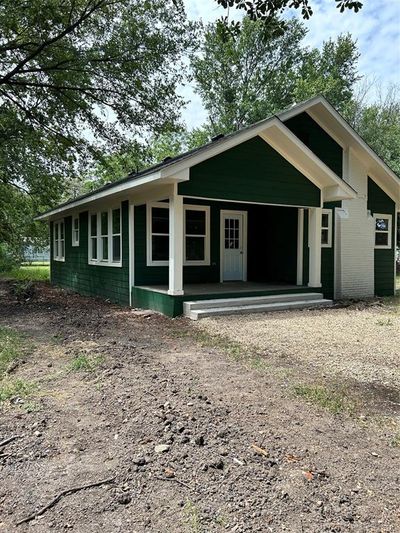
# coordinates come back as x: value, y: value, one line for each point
x: 293, y: 211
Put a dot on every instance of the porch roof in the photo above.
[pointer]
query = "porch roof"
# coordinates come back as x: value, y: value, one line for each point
x: 273, y: 131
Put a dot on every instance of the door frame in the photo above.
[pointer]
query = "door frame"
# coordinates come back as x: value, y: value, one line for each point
x: 223, y: 213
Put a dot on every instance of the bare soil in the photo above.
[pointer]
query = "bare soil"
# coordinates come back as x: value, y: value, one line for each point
x: 158, y: 382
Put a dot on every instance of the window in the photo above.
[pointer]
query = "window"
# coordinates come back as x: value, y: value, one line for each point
x: 105, y: 237
x: 75, y: 231
x: 383, y: 231
x: 326, y: 228
x: 59, y: 241
x: 196, y: 235
x: 157, y: 234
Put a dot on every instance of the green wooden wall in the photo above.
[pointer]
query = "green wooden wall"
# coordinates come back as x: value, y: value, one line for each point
x: 319, y: 142
x: 76, y: 274
x: 380, y: 202
x: 272, y: 246
x: 253, y: 172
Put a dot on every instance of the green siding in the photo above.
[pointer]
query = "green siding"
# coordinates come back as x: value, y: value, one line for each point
x: 76, y: 274
x: 253, y: 172
x: 272, y: 246
x: 319, y: 142
x: 380, y: 202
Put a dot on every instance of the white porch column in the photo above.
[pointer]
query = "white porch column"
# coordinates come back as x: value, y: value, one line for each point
x: 314, y: 243
x: 175, y: 286
x: 300, y: 243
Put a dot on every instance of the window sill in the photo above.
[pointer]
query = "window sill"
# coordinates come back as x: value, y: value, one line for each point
x: 60, y: 260
x: 105, y: 264
x: 75, y: 245
x: 386, y: 247
x: 157, y: 263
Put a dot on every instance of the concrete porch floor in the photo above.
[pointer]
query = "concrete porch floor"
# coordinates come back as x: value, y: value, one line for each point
x: 227, y: 287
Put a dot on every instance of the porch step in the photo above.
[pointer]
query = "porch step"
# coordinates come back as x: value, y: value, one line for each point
x: 257, y: 304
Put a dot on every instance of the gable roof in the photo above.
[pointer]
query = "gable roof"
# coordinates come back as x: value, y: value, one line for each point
x: 179, y: 164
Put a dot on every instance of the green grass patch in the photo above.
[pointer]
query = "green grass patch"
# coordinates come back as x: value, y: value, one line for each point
x: 85, y: 363
x: 333, y: 401
x: 28, y: 273
x: 13, y: 388
x: 193, y: 518
x: 12, y: 345
x: 395, y: 442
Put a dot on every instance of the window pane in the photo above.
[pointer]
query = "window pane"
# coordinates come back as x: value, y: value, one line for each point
x: 56, y: 248
x: 61, y: 230
x: 104, y: 248
x: 94, y: 248
x: 195, y: 248
x: 325, y: 220
x: 160, y: 220
x: 93, y: 225
x: 195, y: 222
x: 62, y: 248
x: 382, y: 224
x: 324, y: 236
x: 116, y: 221
x: 381, y: 239
x: 76, y: 235
x: 104, y: 223
x: 76, y: 223
x: 116, y: 242
x: 160, y: 247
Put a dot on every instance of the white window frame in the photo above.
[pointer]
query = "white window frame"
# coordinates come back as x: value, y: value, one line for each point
x: 57, y: 240
x: 149, y: 233
x: 206, y: 260
x: 104, y: 262
x: 387, y: 246
x: 75, y: 232
x: 328, y: 227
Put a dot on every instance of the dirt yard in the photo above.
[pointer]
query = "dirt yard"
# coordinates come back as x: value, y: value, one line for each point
x: 194, y: 431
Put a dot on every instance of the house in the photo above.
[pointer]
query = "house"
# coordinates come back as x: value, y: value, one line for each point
x: 292, y: 211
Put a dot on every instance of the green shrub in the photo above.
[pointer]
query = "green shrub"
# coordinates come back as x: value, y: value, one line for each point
x: 7, y: 258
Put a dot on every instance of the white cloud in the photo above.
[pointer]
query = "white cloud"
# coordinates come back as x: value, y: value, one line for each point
x: 376, y: 28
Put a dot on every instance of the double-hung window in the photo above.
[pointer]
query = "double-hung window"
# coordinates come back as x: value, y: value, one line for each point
x: 383, y: 231
x: 75, y: 230
x: 157, y: 234
x: 326, y: 228
x: 196, y: 237
x: 105, y: 237
x: 59, y: 241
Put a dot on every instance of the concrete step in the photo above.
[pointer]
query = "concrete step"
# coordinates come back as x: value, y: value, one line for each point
x: 256, y: 308
x: 249, y: 300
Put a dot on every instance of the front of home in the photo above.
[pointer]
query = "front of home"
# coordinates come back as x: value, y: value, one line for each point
x: 295, y: 204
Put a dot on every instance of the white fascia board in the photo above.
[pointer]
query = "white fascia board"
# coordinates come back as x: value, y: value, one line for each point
x: 335, y: 125
x: 301, y: 157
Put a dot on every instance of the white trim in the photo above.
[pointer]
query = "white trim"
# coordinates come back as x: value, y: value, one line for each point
x: 244, y: 202
x: 328, y: 227
x: 131, y: 248
x: 387, y: 246
x: 175, y: 267
x: 206, y: 210
x: 149, y: 233
x: 75, y: 242
x: 300, y: 244
x: 224, y: 212
x: 314, y: 243
x: 104, y: 262
x: 57, y: 239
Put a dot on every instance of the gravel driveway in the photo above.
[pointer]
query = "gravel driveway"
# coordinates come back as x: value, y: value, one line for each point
x: 361, y: 341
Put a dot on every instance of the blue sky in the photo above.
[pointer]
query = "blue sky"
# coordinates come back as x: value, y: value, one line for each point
x: 376, y: 28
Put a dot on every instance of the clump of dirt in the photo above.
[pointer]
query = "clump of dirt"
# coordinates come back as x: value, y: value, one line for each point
x: 192, y: 440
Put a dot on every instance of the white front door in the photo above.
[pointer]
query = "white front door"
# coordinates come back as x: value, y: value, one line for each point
x: 233, y: 245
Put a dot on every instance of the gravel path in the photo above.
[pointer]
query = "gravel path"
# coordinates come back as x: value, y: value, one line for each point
x: 360, y: 342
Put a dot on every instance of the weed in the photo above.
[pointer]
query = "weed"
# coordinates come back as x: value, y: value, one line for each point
x: 12, y: 344
x: 193, y: 517
x: 321, y: 396
x: 28, y: 273
x: 395, y: 442
x: 31, y: 407
x: 85, y: 363
x: 387, y: 322
x: 15, y: 388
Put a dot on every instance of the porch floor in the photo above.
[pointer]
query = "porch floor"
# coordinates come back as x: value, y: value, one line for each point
x: 228, y: 287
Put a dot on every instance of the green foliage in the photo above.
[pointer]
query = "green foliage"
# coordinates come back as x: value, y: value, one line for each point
x: 84, y: 363
x: 78, y: 77
x: 246, y: 78
x: 7, y: 259
x: 15, y: 388
x: 11, y: 347
x: 28, y: 273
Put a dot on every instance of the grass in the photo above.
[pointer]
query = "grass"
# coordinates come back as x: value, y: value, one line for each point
x: 333, y: 401
x: 12, y: 346
x: 84, y: 363
x: 28, y: 273
x: 192, y: 517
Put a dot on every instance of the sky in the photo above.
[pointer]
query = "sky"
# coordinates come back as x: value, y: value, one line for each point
x: 376, y: 28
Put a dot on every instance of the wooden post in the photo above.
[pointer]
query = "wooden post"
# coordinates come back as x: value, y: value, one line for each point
x: 175, y: 286
x: 314, y: 243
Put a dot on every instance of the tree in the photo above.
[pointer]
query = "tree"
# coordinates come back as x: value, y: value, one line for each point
x: 245, y: 78
x: 78, y: 76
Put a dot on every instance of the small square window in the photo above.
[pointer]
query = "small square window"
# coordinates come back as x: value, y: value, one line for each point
x: 326, y: 228
x: 383, y: 231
